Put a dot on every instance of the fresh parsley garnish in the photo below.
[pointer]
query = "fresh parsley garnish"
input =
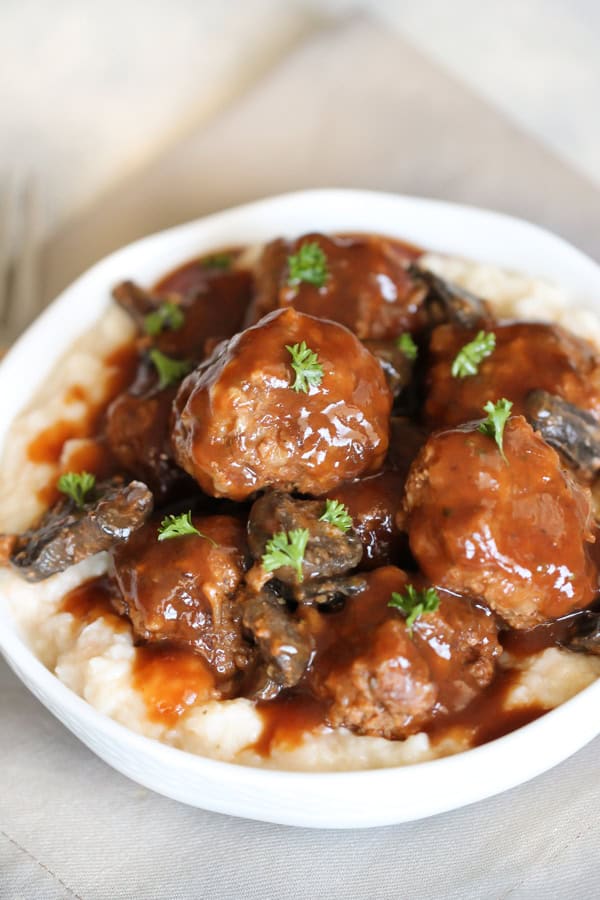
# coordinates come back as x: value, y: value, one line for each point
x: 178, y: 526
x: 493, y: 426
x: 337, y: 514
x: 76, y: 485
x: 309, y: 264
x: 286, y: 549
x: 306, y: 365
x: 170, y: 371
x: 472, y: 354
x: 218, y: 261
x: 414, y: 603
x: 406, y: 344
x: 168, y: 315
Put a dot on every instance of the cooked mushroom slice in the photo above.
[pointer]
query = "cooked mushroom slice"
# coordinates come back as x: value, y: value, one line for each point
x: 67, y: 534
x: 446, y: 302
x: 285, y: 647
x: 330, y: 551
x: 571, y: 430
x: 329, y: 593
x: 587, y: 636
x: 396, y: 365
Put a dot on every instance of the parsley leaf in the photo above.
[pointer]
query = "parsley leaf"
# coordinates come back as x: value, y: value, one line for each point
x: 337, y: 514
x: 472, y: 354
x: 414, y: 603
x: 306, y: 365
x: 76, y: 486
x: 178, y: 526
x: 406, y: 344
x: 168, y: 315
x: 493, y: 426
x: 170, y: 371
x: 309, y: 264
x: 218, y: 261
x: 286, y: 549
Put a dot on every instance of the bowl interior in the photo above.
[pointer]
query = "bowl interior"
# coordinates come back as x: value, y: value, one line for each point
x: 327, y: 800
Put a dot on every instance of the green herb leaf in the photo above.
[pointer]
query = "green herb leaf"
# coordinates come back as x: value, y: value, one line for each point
x: 76, y: 486
x: 309, y: 264
x: 337, y: 514
x: 286, y: 549
x: 178, y: 526
x: 170, y: 371
x: 218, y: 261
x: 168, y: 315
x: 306, y: 365
x: 493, y: 426
x: 406, y: 344
x: 472, y: 354
x: 414, y: 603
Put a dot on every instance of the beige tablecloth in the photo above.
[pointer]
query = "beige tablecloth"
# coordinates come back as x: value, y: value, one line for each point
x: 353, y: 107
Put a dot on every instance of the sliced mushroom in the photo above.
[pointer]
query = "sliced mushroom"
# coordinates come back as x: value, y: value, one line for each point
x: 446, y: 302
x: 136, y: 301
x: 396, y: 365
x: 329, y: 593
x: 68, y: 534
x: 586, y: 636
x: 571, y: 430
x: 286, y: 649
x: 330, y: 551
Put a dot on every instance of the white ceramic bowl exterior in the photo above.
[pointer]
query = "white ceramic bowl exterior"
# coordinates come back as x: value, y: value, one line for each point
x: 339, y: 800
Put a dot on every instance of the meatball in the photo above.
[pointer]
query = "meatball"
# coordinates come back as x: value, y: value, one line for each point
x: 240, y: 426
x: 512, y: 532
x: 372, y: 503
x: 183, y: 590
x: 137, y: 431
x: 383, y: 680
x: 213, y: 304
x: 526, y: 356
x: 367, y: 286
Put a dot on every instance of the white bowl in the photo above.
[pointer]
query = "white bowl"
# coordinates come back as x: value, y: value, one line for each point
x: 339, y: 800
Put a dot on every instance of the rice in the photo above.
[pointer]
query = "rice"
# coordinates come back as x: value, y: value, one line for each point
x: 96, y: 659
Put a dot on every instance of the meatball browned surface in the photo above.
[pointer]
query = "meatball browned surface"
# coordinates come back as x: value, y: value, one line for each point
x: 329, y: 551
x: 527, y: 356
x: 383, y: 681
x: 368, y: 288
x: 183, y: 590
x: 239, y: 426
x: 513, y: 533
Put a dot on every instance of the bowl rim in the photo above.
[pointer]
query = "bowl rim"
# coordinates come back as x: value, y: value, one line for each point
x: 23, y: 660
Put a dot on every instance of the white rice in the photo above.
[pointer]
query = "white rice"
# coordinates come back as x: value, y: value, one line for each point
x: 96, y: 659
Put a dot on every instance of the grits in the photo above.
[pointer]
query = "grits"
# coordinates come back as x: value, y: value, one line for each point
x: 95, y: 659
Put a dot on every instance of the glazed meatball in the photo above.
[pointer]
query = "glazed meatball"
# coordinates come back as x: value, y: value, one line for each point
x: 385, y: 681
x: 183, y: 590
x: 527, y: 356
x: 213, y: 304
x: 512, y: 532
x: 240, y: 426
x: 373, y: 502
x: 137, y: 431
x: 367, y: 287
